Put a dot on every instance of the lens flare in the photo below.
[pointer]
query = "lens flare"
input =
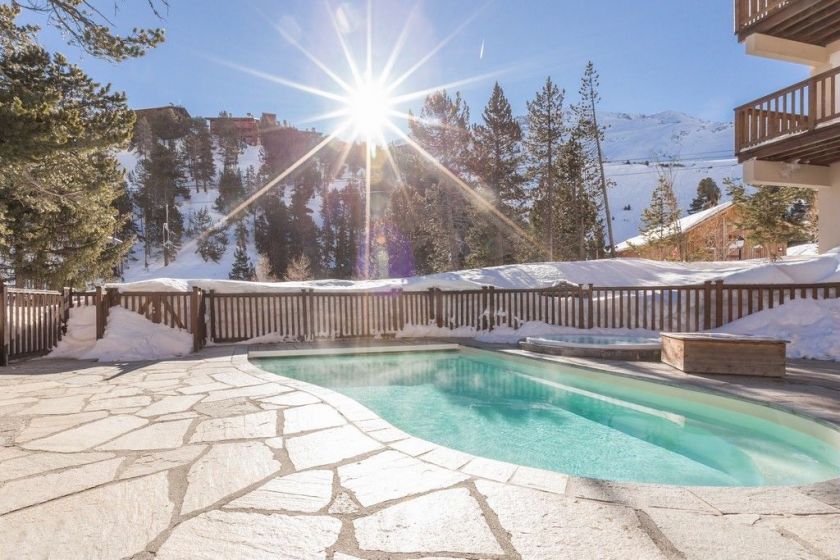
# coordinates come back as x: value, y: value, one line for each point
x: 369, y: 106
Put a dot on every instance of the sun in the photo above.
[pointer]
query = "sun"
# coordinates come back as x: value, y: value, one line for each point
x: 368, y: 106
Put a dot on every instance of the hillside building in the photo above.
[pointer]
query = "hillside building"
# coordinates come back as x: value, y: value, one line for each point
x: 709, y: 235
x: 791, y: 137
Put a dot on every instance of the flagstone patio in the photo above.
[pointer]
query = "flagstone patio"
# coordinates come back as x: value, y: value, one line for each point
x: 210, y: 457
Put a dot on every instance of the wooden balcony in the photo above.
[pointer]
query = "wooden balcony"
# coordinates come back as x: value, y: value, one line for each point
x: 800, y: 123
x: 816, y: 22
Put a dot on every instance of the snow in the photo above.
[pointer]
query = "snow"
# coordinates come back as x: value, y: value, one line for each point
x: 129, y: 337
x: 812, y: 327
x: 806, y: 249
x: 684, y: 224
x: 607, y: 272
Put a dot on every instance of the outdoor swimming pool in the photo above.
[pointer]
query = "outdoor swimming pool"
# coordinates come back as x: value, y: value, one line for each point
x: 575, y: 420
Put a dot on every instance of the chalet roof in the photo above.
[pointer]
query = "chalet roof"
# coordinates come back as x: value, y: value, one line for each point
x: 685, y: 224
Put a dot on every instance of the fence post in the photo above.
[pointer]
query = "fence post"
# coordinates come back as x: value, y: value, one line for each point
x: 439, y: 307
x: 581, y: 320
x: 195, y: 317
x: 304, y: 308
x: 718, y: 303
x: 590, y: 313
x: 4, y: 348
x: 491, y: 293
x: 707, y: 305
x: 100, y: 312
x: 212, y: 316
x: 65, y: 310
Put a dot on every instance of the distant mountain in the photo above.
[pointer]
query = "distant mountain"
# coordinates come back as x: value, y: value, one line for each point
x: 665, y: 135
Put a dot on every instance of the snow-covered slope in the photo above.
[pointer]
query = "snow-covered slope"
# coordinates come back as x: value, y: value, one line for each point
x: 187, y: 262
x: 634, y: 143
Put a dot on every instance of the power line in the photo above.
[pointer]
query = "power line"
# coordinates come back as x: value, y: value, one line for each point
x: 699, y: 168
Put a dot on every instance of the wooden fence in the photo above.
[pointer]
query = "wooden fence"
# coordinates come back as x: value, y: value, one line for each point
x: 34, y: 321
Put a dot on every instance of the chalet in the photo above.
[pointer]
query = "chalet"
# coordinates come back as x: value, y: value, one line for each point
x: 791, y: 137
x: 709, y: 235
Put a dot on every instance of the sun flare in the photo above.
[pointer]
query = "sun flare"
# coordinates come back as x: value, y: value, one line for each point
x: 368, y: 107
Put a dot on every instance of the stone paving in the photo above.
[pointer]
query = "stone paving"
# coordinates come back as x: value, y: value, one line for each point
x: 210, y: 457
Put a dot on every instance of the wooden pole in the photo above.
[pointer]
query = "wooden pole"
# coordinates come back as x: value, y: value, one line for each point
x: 4, y: 348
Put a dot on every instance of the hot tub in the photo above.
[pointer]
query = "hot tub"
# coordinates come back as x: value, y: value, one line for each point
x: 603, y: 346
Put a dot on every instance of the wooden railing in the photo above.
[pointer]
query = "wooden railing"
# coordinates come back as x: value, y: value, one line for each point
x: 34, y: 321
x: 794, y: 109
x: 750, y: 12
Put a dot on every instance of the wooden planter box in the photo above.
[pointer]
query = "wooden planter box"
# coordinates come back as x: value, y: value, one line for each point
x: 724, y: 354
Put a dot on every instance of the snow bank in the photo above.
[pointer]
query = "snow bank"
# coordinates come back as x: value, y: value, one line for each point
x: 606, y: 272
x: 81, y: 334
x: 811, y: 326
x: 128, y: 337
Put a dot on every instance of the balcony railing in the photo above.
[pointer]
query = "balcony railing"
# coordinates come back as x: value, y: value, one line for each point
x: 796, y: 109
x: 750, y: 12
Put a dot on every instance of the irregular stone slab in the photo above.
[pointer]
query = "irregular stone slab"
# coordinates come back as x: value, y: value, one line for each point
x: 150, y: 463
x: 489, y: 468
x: 203, y: 388
x: 390, y: 475
x: 822, y: 532
x: 25, y: 492
x: 413, y: 446
x: 544, y: 525
x: 255, y: 536
x: 449, y: 520
x: 60, y: 405
x: 637, y: 496
x: 540, y: 479
x: 118, y: 392
x: 448, y: 458
x: 160, y: 435
x: 311, y: 417
x: 763, y: 501
x: 343, y: 505
x: 225, y: 469
x: 258, y: 425
x: 329, y: 446
x: 236, y: 378
x: 176, y: 416
x: 307, y: 491
x: 297, y: 398
x: 120, y: 402
x: 34, y: 463
x: 227, y: 407
x: 168, y: 405
x: 46, y: 425
x: 252, y: 391
x: 88, y: 435
x: 79, y: 527
x: 275, y: 442
x: 827, y: 492
x: 342, y: 556
x: 699, y: 535
x: 7, y: 453
x: 388, y: 435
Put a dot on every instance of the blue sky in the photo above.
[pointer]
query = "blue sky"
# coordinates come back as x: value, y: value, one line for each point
x: 652, y: 55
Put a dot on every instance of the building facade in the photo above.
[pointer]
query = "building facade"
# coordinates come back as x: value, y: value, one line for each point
x: 791, y: 137
x: 710, y: 235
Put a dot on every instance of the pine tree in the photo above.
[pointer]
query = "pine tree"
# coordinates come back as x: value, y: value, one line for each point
x: 708, y: 196
x: 299, y: 269
x: 228, y: 138
x: 211, y: 245
x: 160, y: 183
x: 497, y: 162
x: 768, y: 215
x: 442, y: 129
x: 591, y: 137
x: 59, y: 181
x: 660, y: 220
x: 205, y: 166
x: 544, y: 141
x: 231, y: 190
x: 272, y: 232
x: 143, y: 138
x: 242, y: 268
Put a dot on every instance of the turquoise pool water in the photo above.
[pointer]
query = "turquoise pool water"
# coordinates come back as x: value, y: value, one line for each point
x: 573, y: 420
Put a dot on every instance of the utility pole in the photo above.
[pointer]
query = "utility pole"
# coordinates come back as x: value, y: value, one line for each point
x: 597, y: 134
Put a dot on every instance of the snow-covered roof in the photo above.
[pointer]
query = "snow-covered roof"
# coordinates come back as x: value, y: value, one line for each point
x: 685, y: 224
